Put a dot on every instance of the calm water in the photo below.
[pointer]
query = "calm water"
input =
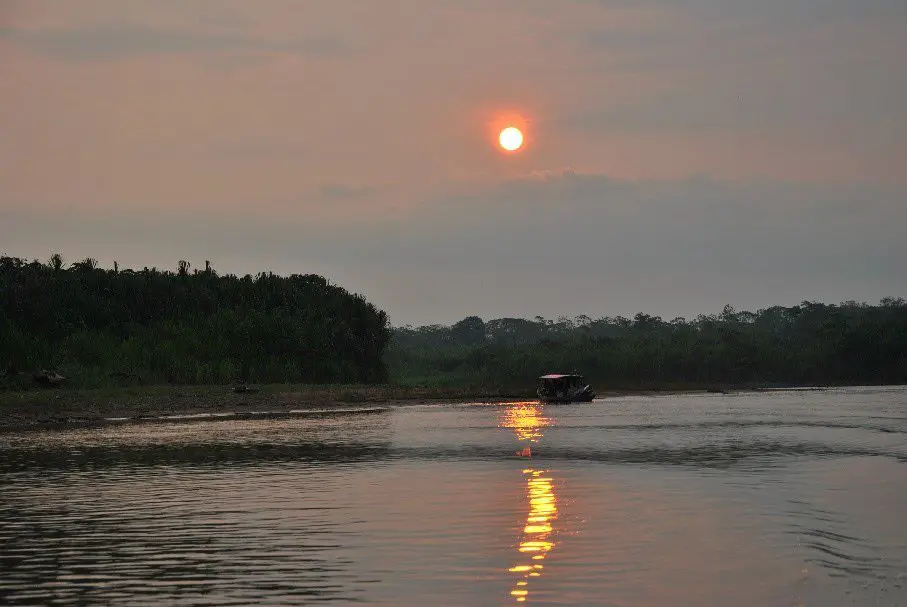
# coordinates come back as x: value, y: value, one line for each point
x: 780, y: 498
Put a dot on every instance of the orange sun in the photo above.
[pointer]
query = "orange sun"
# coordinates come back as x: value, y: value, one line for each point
x: 511, y: 139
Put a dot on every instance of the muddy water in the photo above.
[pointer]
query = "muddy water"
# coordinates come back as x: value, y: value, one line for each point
x: 774, y: 498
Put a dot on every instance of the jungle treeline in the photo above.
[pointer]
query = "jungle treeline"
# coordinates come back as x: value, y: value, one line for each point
x: 808, y: 344
x: 98, y: 327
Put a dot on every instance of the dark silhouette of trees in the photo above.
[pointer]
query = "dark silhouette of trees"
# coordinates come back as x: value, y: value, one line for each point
x: 94, y: 324
x: 808, y: 344
x: 98, y: 326
x: 469, y: 331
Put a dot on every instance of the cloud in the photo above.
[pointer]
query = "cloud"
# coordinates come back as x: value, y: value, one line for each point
x: 336, y: 191
x: 282, y: 167
x: 549, y: 243
x: 584, y: 223
x: 122, y: 40
x: 829, y: 68
x: 668, y: 247
x: 792, y: 12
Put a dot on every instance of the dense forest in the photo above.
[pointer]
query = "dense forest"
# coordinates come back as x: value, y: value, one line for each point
x: 808, y: 344
x: 96, y: 327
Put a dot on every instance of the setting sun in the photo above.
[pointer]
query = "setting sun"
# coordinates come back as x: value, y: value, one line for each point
x: 511, y: 139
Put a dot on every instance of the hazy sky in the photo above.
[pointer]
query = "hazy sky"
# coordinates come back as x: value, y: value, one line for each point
x: 681, y: 154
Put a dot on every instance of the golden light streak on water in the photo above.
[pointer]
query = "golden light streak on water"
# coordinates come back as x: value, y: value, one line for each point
x: 527, y: 420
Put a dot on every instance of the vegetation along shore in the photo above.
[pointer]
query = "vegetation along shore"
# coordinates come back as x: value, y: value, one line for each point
x: 79, y: 342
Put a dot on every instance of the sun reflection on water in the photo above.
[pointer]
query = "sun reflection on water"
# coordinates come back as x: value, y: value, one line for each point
x: 527, y: 420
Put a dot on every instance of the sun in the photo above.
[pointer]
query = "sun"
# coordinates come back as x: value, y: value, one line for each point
x: 511, y: 139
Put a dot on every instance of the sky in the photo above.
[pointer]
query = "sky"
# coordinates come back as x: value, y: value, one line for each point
x: 680, y: 155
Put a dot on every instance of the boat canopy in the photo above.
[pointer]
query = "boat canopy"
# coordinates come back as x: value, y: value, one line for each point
x: 559, y: 376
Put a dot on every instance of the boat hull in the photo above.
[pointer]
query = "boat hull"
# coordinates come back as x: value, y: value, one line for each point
x: 576, y: 398
x: 564, y: 388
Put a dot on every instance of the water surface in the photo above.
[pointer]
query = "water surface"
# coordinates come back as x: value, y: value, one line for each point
x: 776, y: 498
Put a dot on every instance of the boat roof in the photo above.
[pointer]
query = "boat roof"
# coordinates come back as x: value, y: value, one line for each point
x: 559, y: 375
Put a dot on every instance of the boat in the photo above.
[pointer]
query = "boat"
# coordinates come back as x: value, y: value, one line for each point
x: 564, y: 388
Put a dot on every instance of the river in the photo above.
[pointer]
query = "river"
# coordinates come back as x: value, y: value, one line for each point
x: 790, y: 497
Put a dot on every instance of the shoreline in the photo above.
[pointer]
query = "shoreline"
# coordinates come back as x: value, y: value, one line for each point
x: 63, y: 407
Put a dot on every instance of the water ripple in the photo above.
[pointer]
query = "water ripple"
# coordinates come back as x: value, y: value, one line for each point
x: 782, y: 497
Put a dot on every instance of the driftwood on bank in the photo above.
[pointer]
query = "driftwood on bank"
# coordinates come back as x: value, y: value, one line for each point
x: 48, y: 378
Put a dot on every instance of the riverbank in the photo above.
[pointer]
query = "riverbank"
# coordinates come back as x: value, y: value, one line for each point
x: 62, y: 406
x: 49, y: 407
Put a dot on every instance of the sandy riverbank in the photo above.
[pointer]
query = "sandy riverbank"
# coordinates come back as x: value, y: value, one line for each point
x: 52, y: 407
x: 62, y: 407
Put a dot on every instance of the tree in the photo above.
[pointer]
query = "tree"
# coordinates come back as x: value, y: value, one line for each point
x: 56, y: 262
x: 176, y: 327
x: 469, y: 331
